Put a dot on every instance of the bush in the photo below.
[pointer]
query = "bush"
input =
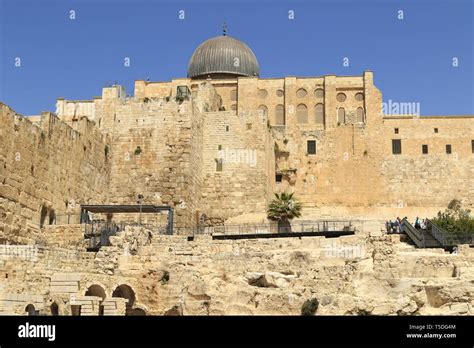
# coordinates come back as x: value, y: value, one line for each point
x: 310, y: 307
x: 455, y: 220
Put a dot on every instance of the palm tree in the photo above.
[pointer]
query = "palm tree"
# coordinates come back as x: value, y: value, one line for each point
x: 283, y: 208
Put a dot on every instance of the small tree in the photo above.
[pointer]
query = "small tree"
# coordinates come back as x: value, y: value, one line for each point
x: 284, y: 208
x: 455, y: 220
x: 309, y: 307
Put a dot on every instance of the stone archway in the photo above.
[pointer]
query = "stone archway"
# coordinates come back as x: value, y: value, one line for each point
x: 137, y: 312
x: 97, y: 291
x: 54, y: 309
x: 31, y: 310
x: 125, y: 291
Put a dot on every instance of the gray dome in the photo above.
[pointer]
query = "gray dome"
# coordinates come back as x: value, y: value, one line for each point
x: 219, y: 55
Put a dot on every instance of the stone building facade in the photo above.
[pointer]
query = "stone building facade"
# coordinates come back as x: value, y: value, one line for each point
x: 218, y: 146
x: 215, y: 147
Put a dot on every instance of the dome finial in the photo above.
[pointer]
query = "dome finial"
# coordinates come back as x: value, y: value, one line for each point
x: 224, y: 29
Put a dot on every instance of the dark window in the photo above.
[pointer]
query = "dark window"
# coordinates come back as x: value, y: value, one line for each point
x: 311, y: 147
x: 472, y: 146
x: 226, y: 128
x: 448, y: 149
x: 219, y: 147
x: 436, y: 130
x: 396, y: 146
x: 424, y: 149
x: 278, y: 177
x: 219, y: 166
x: 396, y: 130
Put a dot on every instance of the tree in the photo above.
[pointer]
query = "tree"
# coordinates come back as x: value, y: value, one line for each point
x: 456, y: 222
x: 284, y: 208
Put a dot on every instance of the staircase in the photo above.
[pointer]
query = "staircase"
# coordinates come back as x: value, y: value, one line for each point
x: 421, y: 238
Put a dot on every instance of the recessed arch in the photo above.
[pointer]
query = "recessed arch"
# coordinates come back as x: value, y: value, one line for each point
x: 262, y: 110
x: 125, y: 291
x: 360, y: 114
x: 301, y: 93
x: 302, y: 113
x: 341, y: 115
x: 31, y: 310
x: 233, y: 95
x: 279, y: 115
x: 319, y: 113
x: 43, y: 215
x: 96, y: 290
x: 341, y: 97
x: 319, y: 92
x: 52, y: 217
x: 54, y: 309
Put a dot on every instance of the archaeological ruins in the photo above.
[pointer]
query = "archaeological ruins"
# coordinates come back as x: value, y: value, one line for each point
x: 178, y: 172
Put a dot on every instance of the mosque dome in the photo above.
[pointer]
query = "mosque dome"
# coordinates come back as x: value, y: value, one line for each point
x: 221, y: 57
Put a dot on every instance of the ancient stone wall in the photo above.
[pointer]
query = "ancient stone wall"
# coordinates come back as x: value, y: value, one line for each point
x: 47, y: 170
x: 367, y: 273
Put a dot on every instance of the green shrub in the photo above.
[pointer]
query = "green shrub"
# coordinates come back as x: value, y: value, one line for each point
x: 455, y: 220
x: 309, y: 307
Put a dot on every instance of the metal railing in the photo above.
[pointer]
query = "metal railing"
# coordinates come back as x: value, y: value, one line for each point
x: 437, y: 233
x: 416, y: 236
x: 447, y: 239
x: 316, y: 226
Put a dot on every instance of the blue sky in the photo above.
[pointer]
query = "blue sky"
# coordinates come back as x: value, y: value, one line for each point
x: 411, y: 58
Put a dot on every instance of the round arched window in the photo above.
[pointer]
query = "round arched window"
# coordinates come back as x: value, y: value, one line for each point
x: 262, y: 93
x: 319, y: 93
x: 262, y: 110
x: 359, y: 96
x: 301, y: 93
x: 341, y: 97
x: 280, y: 93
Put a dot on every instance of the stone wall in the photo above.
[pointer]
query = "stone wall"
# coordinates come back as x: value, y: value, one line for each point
x: 367, y: 273
x: 47, y: 169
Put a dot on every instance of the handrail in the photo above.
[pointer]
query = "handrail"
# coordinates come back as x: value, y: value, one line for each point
x: 438, y: 233
x: 446, y: 239
x: 416, y: 236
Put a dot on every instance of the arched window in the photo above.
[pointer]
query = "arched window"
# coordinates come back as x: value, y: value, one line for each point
x: 341, y: 97
x: 262, y: 111
x: 360, y: 115
x: 319, y: 113
x: 341, y: 115
x: 54, y: 309
x: 30, y: 309
x: 44, y: 214
x: 279, y: 115
x: 233, y: 107
x: 301, y: 93
x: 302, y: 113
x: 262, y: 93
x: 98, y: 291
x: 233, y: 95
x: 319, y: 93
x: 125, y: 291
x: 52, y: 217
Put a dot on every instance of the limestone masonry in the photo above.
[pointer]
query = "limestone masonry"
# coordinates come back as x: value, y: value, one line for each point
x: 215, y: 147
